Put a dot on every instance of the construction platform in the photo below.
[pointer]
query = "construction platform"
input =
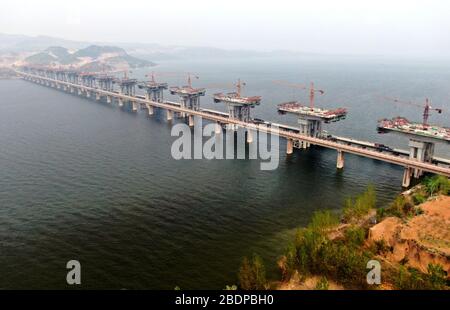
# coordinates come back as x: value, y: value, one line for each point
x: 325, y: 115
x: 403, y: 126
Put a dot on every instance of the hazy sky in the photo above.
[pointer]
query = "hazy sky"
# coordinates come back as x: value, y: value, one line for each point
x: 326, y: 26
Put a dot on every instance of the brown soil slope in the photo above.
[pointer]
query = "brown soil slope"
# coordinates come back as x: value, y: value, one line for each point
x: 421, y: 240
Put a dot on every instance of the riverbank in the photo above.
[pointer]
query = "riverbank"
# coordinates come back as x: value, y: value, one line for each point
x: 410, y: 238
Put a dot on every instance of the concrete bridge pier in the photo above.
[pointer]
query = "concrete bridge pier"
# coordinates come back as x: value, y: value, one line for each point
x: 120, y: 102
x: 150, y: 109
x: 134, y: 106
x: 340, y: 159
x: 407, y: 176
x: 249, y: 136
x: 218, y: 128
x: 290, y: 146
x: 88, y: 93
x: 72, y: 89
x: 108, y: 99
x: 191, y: 120
x: 169, y: 115
x: 97, y: 96
x: 421, y: 151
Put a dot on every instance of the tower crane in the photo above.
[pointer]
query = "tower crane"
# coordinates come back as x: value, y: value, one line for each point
x: 239, y: 87
x: 311, y: 88
x: 427, y: 108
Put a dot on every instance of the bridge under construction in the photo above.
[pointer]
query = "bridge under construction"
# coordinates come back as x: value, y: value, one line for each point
x: 98, y: 86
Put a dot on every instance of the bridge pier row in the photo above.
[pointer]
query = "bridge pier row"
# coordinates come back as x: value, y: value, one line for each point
x: 191, y: 120
x: 169, y: 115
x: 249, y: 136
x: 407, y: 176
x: 340, y: 160
x: 289, y: 146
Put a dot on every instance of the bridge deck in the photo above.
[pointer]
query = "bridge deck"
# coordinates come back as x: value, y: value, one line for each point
x: 285, y: 133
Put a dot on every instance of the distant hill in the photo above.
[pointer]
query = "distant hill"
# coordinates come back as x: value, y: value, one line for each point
x: 19, y: 47
x: 93, y: 58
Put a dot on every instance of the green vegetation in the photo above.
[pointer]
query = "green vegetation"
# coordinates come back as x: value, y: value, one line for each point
x: 437, y: 276
x: 401, y: 207
x: 405, y: 207
x: 412, y: 279
x: 380, y: 247
x: 313, y: 252
x: 419, y: 198
x: 252, y: 274
x: 323, y: 220
x: 342, y: 254
x: 356, y: 235
x: 437, y: 184
x: 322, y: 284
x: 356, y: 208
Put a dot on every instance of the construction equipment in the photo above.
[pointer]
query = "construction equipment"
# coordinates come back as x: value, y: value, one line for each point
x: 238, y: 106
x: 311, y: 88
x: 426, y: 109
x: 190, y: 97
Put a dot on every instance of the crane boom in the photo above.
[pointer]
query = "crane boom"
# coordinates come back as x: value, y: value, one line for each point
x: 311, y: 88
x: 426, y: 108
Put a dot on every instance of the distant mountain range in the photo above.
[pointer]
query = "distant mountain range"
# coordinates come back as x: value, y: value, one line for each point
x: 91, y: 58
x: 14, y: 45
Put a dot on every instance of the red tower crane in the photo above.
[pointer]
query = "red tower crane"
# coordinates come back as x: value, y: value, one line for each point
x: 311, y: 88
x: 426, y: 108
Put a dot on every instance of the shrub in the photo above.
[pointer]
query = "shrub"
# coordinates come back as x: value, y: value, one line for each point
x: 360, y: 205
x: 437, y: 184
x: 323, y: 220
x: 252, y: 274
x: 381, y: 214
x: 437, y: 276
x: 289, y: 265
x: 400, y: 207
x: 322, y: 284
x: 409, y: 279
x: 355, y: 236
x: 380, y: 247
x: 413, y: 279
x: 345, y: 263
x: 419, y: 199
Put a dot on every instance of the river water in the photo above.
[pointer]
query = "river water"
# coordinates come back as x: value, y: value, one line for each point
x: 88, y: 181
